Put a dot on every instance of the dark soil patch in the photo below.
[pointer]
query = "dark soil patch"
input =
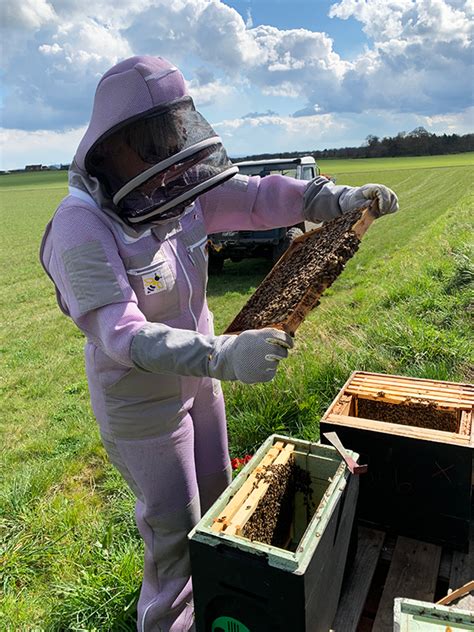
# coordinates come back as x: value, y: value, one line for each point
x: 308, y: 268
x: 422, y: 414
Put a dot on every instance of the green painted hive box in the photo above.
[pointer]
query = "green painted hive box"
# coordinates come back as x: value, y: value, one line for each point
x: 270, y: 554
x: 420, y: 616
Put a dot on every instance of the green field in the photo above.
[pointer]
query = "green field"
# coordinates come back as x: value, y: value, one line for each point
x: 71, y: 556
x: 359, y: 165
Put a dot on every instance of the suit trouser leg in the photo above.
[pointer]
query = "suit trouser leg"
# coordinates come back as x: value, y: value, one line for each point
x: 211, y: 450
x: 161, y: 472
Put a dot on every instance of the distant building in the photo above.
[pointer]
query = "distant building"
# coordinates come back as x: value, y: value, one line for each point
x: 33, y: 167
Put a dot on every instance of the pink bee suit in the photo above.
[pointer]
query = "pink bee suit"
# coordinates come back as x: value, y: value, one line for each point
x: 153, y: 363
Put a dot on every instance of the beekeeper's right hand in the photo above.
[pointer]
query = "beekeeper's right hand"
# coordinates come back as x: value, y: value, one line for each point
x: 251, y: 356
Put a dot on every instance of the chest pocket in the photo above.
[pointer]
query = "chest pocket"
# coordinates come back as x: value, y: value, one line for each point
x: 156, y: 288
x: 196, y: 242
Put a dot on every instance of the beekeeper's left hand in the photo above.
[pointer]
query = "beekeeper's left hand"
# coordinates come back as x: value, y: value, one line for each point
x: 386, y: 200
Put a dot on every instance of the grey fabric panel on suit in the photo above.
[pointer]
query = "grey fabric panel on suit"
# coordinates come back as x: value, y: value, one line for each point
x: 115, y: 457
x: 141, y: 405
x: 92, y: 277
x: 170, y: 541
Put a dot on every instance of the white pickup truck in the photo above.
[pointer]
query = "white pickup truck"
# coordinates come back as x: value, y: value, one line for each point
x: 270, y: 244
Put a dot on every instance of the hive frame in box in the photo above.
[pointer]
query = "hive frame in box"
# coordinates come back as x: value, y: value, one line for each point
x: 253, y: 582
x: 311, y: 296
x: 235, y: 515
x: 279, y: 558
x: 419, y: 480
x: 446, y: 395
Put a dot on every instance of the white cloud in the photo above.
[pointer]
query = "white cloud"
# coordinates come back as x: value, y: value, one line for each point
x: 39, y: 147
x: 456, y: 123
x: 48, y: 49
x: 274, y: 133
x: 417, y: 63
x: 51, y: 80
x: 421, y: 54
x: 27, y: 14
x: 86, y: 46
x: 209, y: 93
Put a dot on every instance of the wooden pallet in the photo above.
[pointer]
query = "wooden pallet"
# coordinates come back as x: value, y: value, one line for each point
x: 387, y: 567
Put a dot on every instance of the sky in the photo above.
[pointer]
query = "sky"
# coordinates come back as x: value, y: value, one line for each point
x: 269, y: 75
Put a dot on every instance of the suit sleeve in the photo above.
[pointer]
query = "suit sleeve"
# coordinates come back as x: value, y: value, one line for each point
x: 82, y: 259
x: 254, y: 203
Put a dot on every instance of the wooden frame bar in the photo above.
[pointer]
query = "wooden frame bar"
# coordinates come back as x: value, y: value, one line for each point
x: 246, y: 510
x: 308, y: 298
x: 386, y: 427
x: 223, y: 520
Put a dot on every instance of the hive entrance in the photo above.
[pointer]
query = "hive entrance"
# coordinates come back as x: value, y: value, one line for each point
x: 295, y: 284
x: 277, y: 502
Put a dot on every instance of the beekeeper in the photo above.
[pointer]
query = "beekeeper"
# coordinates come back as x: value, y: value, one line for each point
x: 127, y: 252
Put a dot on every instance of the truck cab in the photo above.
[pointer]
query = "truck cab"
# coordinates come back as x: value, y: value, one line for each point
x: 269, y: 244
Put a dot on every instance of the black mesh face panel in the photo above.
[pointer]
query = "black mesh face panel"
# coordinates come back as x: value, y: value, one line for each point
x: 166, y: 155
x: 146, y: 141
x: 180, y: 180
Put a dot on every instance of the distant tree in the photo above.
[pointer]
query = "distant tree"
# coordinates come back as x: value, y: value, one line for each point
x: 419, y: 132
x: 418, y: 142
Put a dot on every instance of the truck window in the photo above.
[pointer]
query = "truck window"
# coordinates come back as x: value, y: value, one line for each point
x: 308, y: 173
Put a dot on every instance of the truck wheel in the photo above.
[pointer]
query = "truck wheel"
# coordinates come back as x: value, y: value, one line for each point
x: 285, y: 243
x: 216, y: 263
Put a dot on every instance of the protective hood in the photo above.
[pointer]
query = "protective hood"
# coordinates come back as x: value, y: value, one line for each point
x: 152, y: 152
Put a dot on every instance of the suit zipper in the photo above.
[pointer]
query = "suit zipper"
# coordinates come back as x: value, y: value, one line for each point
x: 190, y: 287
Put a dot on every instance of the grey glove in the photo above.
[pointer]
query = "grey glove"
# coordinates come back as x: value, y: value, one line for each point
x: 387, y: 201
x: 250, y: 357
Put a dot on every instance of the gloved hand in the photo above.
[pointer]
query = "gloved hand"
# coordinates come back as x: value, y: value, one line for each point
x: 386, y: 199
x: 250, y: 357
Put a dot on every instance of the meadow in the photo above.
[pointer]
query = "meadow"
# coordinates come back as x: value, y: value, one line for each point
x: 70, y: 553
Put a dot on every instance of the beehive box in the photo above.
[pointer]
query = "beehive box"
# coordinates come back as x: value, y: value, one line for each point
x: 243, y: 584
x: 411, y: 615
x: 311, y: 264
x: 417, y: 437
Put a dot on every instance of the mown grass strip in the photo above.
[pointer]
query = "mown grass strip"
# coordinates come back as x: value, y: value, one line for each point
x: 71, y: 555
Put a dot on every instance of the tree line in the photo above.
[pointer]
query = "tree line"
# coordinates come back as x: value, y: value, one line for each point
x: 418, y: 142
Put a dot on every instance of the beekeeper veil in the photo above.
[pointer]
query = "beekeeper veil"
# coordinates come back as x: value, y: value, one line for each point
x: 147, y: 145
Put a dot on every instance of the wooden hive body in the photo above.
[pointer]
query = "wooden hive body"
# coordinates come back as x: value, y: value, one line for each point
x: 264, y: 587
x: 295, y: 284
x: 417, y: 437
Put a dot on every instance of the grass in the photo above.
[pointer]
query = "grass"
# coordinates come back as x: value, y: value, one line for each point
x: 71, y: 555
x: 360, y: 165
